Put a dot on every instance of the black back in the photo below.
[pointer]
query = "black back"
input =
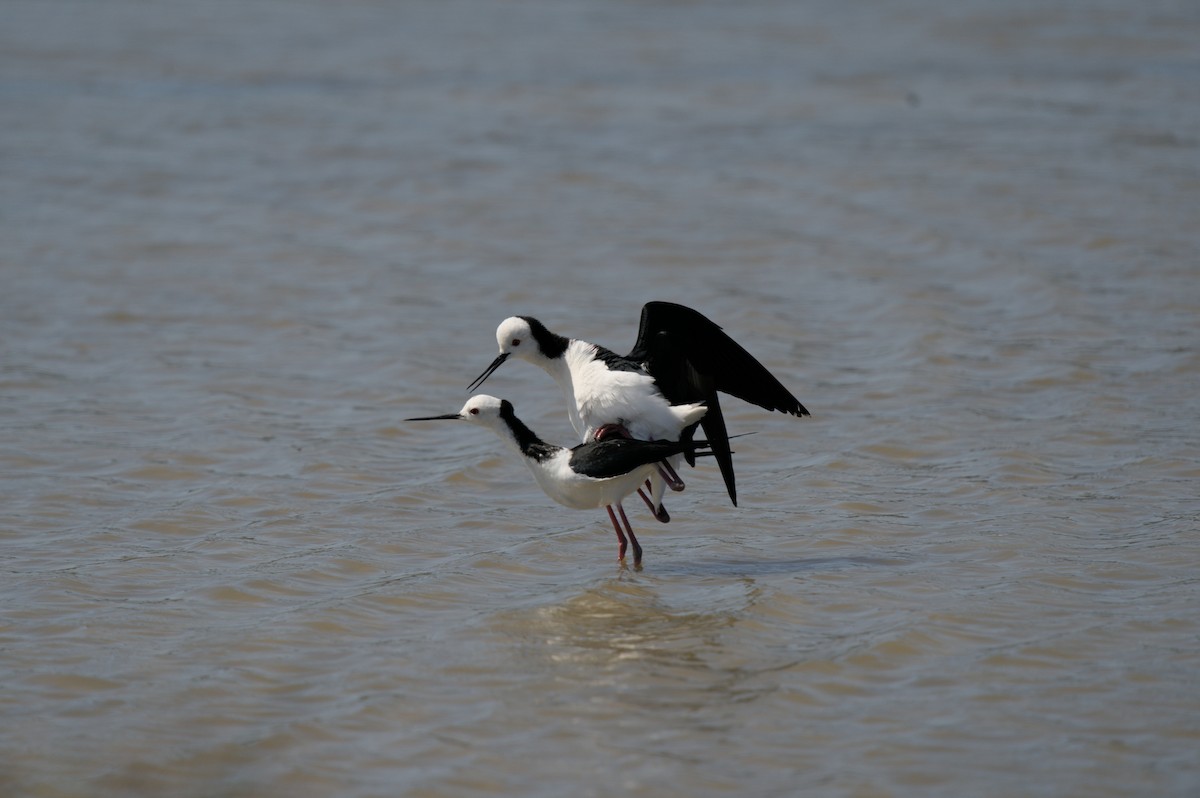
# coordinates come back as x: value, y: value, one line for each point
x: 616, y: 456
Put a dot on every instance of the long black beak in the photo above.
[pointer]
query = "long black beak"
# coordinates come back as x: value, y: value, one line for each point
x: 503, y: 356
x: 447, y: 417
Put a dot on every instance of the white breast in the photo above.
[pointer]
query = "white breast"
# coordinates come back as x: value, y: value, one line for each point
x: 599, y: 396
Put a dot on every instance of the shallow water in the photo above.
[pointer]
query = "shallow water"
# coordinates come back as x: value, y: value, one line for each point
x: 243, y: 241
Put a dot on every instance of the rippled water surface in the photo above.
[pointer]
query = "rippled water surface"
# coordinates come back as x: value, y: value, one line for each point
x: 242, y: 242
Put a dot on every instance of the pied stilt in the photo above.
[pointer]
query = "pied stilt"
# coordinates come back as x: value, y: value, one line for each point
x: 599, y: 473
x: 680, y: 357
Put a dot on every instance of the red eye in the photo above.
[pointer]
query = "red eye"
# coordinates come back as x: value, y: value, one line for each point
x: 516, y: 342
x: 474, y: 411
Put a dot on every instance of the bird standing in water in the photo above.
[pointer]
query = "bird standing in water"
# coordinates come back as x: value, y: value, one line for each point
x: 680, y: 357
x: 599, y: 473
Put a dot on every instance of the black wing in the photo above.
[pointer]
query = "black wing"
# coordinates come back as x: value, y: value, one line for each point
x: 617, y: 456
x: 691, y: 359
x: 712, y: 358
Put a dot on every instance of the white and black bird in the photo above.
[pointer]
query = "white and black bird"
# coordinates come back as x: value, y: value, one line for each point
x: 591, y: 475
x: 680, y: 357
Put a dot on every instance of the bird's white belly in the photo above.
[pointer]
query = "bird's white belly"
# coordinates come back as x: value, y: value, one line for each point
x: 581, y: 492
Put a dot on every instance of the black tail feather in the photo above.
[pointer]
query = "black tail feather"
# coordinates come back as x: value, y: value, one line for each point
x: 718, y: 440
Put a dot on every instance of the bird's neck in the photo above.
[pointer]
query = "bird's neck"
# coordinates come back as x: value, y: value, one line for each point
x: 566, y: 371
x: 522, y: 437
x: 560, y: 367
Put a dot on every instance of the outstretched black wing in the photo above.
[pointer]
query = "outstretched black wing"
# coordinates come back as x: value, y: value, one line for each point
x: 713, y: 358
x: 692, y: 359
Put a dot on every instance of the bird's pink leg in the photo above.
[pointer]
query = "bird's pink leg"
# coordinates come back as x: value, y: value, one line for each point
x: 669, y: 476
x: 611, y: 431
x: 633, y: 538
x: 660, y: 512
x: 620, y: 533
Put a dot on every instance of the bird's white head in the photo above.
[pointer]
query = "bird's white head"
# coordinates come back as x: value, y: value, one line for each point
x: 525, y: 338
x: 479, y: 409
x: 482, y: 409
x: 515, y: 338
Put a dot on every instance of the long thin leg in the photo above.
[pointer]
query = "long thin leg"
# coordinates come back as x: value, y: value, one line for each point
x: 669, y: 476
x: 620, y: 533
x: 655, y: 504
x: 660, y: 512
x: 655, y: 487
x: 637, y: 547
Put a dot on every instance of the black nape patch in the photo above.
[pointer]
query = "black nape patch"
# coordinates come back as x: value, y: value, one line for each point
x: 528, y: 441
x: 551, y: 344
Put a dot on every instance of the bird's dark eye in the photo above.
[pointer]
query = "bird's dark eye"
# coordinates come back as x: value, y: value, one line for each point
x: 474, y: 411
x: 516, y: 342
